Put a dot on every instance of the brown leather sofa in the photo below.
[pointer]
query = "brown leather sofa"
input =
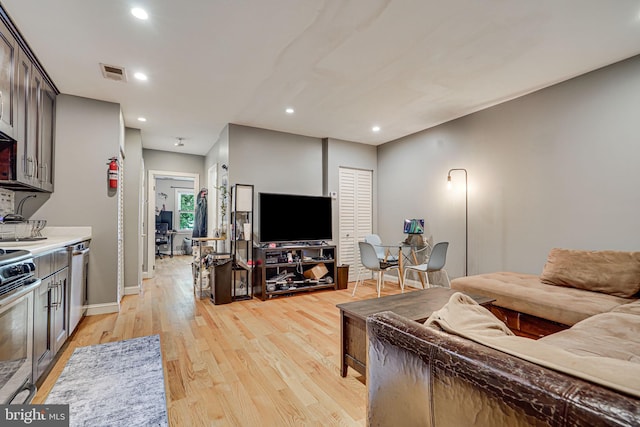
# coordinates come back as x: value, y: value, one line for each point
x: 421, y: 376
x: 469, y: 366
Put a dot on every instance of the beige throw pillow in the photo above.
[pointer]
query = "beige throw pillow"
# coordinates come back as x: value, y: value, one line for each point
x: 610, y: 272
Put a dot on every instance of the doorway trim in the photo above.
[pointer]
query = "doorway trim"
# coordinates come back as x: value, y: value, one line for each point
x: 151, y: 220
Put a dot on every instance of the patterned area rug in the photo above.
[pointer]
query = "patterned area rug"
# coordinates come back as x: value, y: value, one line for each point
x: 114, y: 384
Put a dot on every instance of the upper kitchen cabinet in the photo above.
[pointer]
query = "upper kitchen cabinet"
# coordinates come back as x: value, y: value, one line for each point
x: 27, y: 115
x: 38, y: 143
x: 26, y: 149
x: 8, y: 60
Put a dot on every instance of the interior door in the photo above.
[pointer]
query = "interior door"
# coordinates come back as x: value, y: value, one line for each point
x: 355, y: 201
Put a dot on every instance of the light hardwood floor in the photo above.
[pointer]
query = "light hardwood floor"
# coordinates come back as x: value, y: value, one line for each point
x: 249, y: 363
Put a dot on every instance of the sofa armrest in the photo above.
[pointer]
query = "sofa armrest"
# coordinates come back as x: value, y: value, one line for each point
x: 421, y: 376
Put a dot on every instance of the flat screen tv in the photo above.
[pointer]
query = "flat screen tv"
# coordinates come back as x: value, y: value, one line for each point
x: 294, y: 218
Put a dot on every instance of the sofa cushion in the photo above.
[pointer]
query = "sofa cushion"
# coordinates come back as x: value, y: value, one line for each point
x: 460, y: 313
x: 527, y: 294
x: 610, y: 272
x: 631, y: 308
x: 614, y: 334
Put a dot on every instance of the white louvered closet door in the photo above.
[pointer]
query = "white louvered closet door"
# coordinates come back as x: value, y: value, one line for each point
x: 355, y: 201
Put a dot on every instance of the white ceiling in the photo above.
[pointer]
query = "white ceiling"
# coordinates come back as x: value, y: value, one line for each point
x: 343, y: 65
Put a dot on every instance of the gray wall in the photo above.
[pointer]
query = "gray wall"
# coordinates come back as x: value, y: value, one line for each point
x: 556, y: 168
x: 173, y: 162
x: 219, y: 152
x: 133, y: 165
x: 217, y: 156
x: 87, y: 135
x: 274, y: 162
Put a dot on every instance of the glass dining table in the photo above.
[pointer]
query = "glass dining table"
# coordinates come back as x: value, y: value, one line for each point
x: 408, y: 253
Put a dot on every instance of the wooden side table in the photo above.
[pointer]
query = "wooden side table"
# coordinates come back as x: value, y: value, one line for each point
x: 416, y: 305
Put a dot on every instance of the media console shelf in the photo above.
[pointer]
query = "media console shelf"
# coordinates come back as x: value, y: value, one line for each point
x: 281, y: 271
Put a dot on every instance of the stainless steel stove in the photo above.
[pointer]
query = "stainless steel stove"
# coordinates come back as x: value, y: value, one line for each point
x: 16, y: 269
x: 17, y: 282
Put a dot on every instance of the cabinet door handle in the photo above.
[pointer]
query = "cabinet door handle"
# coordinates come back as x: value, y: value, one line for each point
x: 59, y: 286
x: 43, y: 176
x: 54, y: 294
x: 28, y: 167
x: 1, y: 104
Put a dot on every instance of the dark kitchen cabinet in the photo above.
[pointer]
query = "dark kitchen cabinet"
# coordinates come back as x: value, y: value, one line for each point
x: 45, y: 136
x: 42, y: 343
x: 50, y: 314
x: 8, y: 61
x: 25, y: 159
x: 27, y: 114
x: 40, y: 131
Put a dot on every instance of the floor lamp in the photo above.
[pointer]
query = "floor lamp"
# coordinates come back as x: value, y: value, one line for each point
x: 466, y: 215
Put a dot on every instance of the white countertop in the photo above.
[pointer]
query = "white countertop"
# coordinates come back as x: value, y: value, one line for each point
x: 56, y: 237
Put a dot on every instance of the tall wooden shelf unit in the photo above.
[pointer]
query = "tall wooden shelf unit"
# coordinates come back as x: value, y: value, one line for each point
x: 242, y: 241
x: 274, y: 263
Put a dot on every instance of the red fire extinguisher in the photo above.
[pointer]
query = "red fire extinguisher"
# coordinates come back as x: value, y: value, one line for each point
x: 113, y: 173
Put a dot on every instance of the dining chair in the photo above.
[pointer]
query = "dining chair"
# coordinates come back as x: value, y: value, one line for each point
x: 370, y: 261
x: 381, y: 251
x: 436, y: 262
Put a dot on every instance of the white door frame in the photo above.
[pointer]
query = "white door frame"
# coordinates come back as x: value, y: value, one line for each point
x: 151, y: 212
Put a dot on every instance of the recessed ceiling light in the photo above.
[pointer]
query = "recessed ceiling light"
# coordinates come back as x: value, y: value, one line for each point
x: 139, y: 13
x: 140, y: 76
x: 142, y: 119
x: 289, y: 111
x: 376, y: 128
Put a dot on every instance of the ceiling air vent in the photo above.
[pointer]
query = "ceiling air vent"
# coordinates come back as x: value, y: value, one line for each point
x: 113, y: 72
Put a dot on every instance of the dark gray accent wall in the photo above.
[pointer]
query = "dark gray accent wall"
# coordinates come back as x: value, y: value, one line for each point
x: 556, y: 168
x: 274, y: 162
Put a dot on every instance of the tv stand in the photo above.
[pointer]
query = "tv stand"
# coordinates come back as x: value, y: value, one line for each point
x: 280, y: 271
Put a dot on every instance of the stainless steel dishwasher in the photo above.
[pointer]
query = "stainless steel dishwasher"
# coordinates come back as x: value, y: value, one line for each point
x: 79, y: 283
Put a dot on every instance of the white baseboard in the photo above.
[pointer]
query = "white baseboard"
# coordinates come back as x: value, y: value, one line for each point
x: 131, y: 290
x: 110, y: 307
